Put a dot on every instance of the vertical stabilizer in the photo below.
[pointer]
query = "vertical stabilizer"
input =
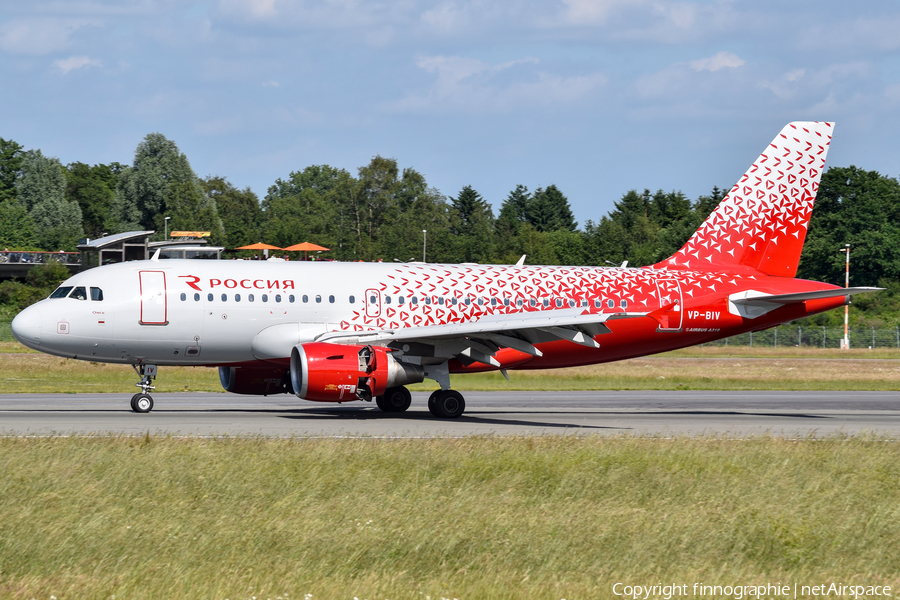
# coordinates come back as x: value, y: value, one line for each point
x: 762, y: 221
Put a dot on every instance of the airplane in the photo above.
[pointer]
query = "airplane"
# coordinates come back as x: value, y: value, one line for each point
x: 340, y: 332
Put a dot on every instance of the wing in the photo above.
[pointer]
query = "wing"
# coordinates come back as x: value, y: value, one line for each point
x: 479, y: 341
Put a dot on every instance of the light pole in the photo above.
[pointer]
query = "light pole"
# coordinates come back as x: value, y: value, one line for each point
x: 166, y: 236
x: 424, y: 237
x: 845, y: 343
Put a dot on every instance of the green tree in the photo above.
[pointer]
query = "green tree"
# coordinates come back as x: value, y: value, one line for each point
x: 10, y: 168
x: 239, y: 210
x: 16, y: 226
x: 472, y: 224
x: 549, y: 210
x: 860, y: 208
x: 145, y: 186
x: 42, y: 190
x: 93, y: 188
x: 192, y: 210
x: 313, y: 205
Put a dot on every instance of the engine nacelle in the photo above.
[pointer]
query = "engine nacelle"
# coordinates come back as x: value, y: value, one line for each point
x: 342, y: 372
x: 259, y: 381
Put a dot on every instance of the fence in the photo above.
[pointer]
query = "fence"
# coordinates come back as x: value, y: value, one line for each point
x: 36, y: 258
x: 781, y: 336
x: 815, y: 337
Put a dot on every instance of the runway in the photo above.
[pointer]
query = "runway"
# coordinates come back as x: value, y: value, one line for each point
x: 658, y: 413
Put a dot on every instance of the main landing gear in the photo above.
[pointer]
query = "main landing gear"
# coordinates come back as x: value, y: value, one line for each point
x: 395, y: 399
x: 446, y: 404
x: 142, y: 402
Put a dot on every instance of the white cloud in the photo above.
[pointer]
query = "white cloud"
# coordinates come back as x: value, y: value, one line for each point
x: 583, y: 12
x: 76, y: 62
x: 721, y: 60
x: 471, y: 85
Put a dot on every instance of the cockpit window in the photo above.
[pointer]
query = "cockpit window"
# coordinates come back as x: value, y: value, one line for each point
x: 61, y: 292
x: 79, y: 293
x: 96, y: 294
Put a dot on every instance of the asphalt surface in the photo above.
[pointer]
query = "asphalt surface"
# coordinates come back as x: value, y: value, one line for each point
x: 663, y: 413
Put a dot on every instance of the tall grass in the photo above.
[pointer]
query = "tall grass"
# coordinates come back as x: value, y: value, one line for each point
x: 545, y: 517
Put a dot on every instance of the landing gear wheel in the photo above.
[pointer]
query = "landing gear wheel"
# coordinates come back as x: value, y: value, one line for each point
x: 395, y: 399
x: 446, y: 404
x: 141, y: 403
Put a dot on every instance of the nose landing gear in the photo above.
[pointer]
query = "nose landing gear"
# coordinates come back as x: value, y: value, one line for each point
x: 142, y: 402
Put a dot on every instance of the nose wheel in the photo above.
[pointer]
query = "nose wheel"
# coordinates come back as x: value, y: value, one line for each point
x: 142, y: 402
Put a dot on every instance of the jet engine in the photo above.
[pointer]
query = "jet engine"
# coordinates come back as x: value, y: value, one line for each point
x: 259, y: 381
x: 342, y: 372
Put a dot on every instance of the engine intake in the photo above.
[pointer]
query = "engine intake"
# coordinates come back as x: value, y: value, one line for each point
x: 342, y: 372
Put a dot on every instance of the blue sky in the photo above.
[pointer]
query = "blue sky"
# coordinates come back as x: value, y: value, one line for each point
x: 595, y: 96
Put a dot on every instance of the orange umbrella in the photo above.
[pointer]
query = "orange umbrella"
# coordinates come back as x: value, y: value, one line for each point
x: 306, y: 247
x: 260, y: 246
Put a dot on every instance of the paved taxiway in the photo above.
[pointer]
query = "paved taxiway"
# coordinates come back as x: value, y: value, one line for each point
x: 793, y: 414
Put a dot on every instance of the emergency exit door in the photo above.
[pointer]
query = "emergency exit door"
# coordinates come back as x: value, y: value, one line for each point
x: 670, y: 296
x: 153, y: 298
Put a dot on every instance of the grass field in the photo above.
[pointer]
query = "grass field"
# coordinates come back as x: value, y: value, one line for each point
x: 706, y: 368
x: 474, y: 518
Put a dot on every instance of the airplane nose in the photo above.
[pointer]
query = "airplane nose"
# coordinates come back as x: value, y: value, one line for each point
x: 26, y: 327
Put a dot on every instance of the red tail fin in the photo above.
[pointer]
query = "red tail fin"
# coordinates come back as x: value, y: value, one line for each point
x: 762, y: 221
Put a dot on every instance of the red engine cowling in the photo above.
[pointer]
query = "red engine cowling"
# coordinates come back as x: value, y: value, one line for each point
x: 342, y: 372
x: 259, y: 381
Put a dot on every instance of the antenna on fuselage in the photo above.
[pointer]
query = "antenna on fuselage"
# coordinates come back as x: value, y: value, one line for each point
x: 521, y: 261
x: 155, y: 257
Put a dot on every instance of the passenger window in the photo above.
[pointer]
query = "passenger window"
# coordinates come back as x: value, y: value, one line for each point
x: 237, y: 297
x: 506, y: 302
x: 265, y: 297
x: 372, y: 299
x: 291, y: 298
x: 196, y: 297
x: 224, y: 297
x: 546, y: 302
x: 387, y: 299
x: 611, y: 303
x: 453, y: 301
x: 183, y: 296
x: 250, y: 298
x: 558, y: 302
x: 584, y: 303
x: 96, y: 294
x: 493, y: 302
x: 209, y: 297
x: 414, y: 300
x: 277, y: 297
x: 401, y: 300
x: 331, y: 299
x: 519, y: 302
x: 532, y: 302
x: 440, y: 300
x: 61, y: 292
x: 468, y: 301
x: 319, y: 299
x: 481, y: 302
x: 305, y: 298
x: 352, y: 300
x: 571, y: 304
x: 624, y: 303
x: 79, y: 293
x: 428, y: 300
x: 597, y: 303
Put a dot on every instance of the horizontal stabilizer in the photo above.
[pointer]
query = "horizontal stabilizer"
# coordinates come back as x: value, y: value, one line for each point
x: 751, y: 303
